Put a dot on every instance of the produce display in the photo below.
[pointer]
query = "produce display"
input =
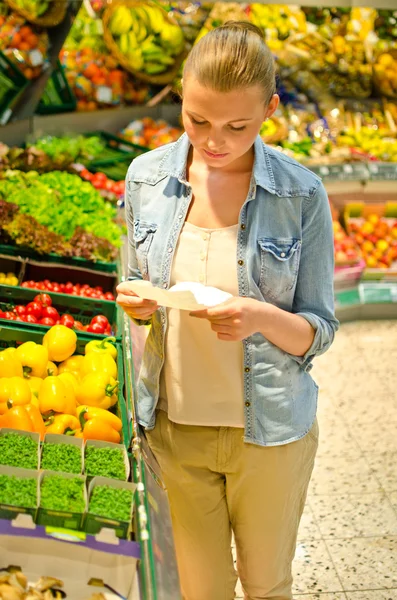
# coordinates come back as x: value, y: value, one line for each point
x: 145, y: 36
x: 35, y: 7
x: 8, y: 279
x: 77, y: 289
x: 150, y: 133
x: 377, y: 238
x: 18, y: 450
x: 105, y: 462
x: 386, y: 74
x: 25, y: 45
x: 111, y: 503
x: 111, y: 190
x: 347, y: 252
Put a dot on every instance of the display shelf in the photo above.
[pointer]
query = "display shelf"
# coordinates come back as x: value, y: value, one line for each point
x: 30, y: 98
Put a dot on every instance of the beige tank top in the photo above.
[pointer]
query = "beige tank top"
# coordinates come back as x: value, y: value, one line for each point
x: 202, y: 378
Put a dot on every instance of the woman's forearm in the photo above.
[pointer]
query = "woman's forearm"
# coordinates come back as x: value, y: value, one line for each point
x: 292, y: 333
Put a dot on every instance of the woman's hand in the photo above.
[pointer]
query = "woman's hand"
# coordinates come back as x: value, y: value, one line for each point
x: 235, y: 319
x: 133, y: 305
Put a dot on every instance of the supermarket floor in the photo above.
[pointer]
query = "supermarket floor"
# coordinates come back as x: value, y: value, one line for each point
x: 347, y: 547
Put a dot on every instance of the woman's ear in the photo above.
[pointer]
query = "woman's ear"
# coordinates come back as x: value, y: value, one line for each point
x: 272, y: 106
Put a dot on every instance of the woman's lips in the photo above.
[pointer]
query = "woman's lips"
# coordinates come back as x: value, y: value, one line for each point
x: 212, y: 155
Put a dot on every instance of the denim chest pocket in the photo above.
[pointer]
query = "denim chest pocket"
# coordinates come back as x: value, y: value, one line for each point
x: 279, y: 265
x: 143, y: 237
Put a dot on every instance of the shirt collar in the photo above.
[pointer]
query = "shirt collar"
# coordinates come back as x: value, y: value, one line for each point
x: 174, y: 163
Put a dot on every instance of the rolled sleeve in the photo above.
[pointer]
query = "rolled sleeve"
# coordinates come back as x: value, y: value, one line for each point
x: 314, y: 294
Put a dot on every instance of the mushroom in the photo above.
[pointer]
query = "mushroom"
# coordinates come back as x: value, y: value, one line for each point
x: 45, y: 583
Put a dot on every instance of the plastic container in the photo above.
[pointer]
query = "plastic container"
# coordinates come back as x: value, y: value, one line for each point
x: 94, y: 523
x: 10, y: 511
x: 59, y: 518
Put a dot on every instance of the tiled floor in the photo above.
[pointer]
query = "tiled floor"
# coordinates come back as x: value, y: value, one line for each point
x: 347, y: 547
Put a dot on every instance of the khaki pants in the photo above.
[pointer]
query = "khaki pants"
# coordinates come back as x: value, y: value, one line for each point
x: 217, y: 483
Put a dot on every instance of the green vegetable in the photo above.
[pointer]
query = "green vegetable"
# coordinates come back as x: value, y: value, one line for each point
x: 61, y: 457
x: 76, y: 149
x: 60, y: 493
x: 108, y: 462
x: 112, y: 503
x: 18, y: 451
x: 18, y: 491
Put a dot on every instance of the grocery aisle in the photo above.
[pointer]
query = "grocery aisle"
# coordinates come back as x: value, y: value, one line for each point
x: 347, y: 546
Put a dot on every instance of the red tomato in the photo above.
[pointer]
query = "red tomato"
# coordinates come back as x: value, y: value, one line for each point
x: 39, y: 286
x: 56, y: 288
x: 100, y: 176
x: 78, y: 325
x: 9, y: 316
x: 108, y: 330
x: 47, y: 321
x: 25, y: 284
x: 101, y: 319
x: 98, y: 184
x: 50, y: 287
x: 43, y: 299
x: 109, y: 185
x: 20, y: 309
x: 62, y: 287
x: 51, y: 313
x: 68, y: 287
x: 109, y: 296
x: 35, y: 309
x: 85, y: 174
x: 67, y: 320
x: 30, y: 319
x: 96, y: 328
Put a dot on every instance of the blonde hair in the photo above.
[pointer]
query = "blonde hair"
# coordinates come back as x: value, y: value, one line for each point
x: 233, y: 56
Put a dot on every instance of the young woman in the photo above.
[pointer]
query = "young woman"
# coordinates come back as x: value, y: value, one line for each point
x: 225, y: 394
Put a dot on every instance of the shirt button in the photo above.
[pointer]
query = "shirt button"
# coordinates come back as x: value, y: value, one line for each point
x: 180, y: 216
x: 242, y: 226
x: 248, y: 404
x: 282, y: 255
x: 205, y: 237
x: 247, y: 369
x: 241, y: 262
x: 170, y: 250
x: 202, y: 256
x: 164, y: 285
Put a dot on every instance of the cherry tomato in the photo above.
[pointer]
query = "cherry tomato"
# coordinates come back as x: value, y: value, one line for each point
x: 25, y: 284
x: 96, y: 328
x: 20, y: 310
x: 85, y: 174
x: 56, y: 288
x: 30, y: 319
x: 68, y: 287
x: 43, y: 299
x: 100, y: 176
x: 109, y: 296
x: 101, y: 319
x: 39, y: 286
x: 67, y: 320
x: 9, y: 316
x: 78, y: 325
x: 47, y: 321
x: 109, y: 185
x: 51, y: 313
x: 35, y: 309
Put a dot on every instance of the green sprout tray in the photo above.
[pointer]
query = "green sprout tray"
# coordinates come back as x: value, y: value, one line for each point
x: 57, y: 96
x: 82, y: 309
x: 13, y: 336
x: 12, y: 84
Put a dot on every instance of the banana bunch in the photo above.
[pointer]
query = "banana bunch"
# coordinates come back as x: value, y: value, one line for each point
x: 34, y: 7
x: 146, y: 37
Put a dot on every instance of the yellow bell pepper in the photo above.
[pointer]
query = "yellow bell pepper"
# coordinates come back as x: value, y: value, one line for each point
x: 71, y: 365
x: 35, y: 384
x: 52, y: 369
x: 10, y: 366
x: 98, y: 363
x: 33, y: 358
x: 97, y: 389
x: 85, y: 413
x: 70, y: 379
x: 102, y: 347
x: 98, y: 429
x: 57, y: 396
x: 60, y: 342
x: 17, y: 417
x: 14, y: 391
x: 63, y: 423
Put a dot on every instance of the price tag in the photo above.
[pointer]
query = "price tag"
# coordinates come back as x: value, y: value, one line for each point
x: 348, y: 169
x: 348, y: 298
x: 380, y: 293
x: 104, y: 94
x: 324, y: 171
x: 36, y: 58
x: 384, y: 171
x: 373, y: 169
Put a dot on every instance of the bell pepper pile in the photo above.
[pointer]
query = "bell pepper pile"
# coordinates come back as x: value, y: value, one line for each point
x: 47, y: 388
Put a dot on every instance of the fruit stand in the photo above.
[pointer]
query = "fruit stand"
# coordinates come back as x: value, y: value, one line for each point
x: 85, y: 87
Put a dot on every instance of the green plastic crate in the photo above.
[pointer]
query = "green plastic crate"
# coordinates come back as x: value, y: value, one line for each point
x: 12, y: 335
x: 81, y: 308
x: 56, y: 259
x: 57, y: 96
x: 12, y: 84
x: 117, y: 151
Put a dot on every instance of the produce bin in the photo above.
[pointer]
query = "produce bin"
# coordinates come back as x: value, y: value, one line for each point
x: 13, y: 335
x: 12, y: 84
x: 57, y: 96
x: 117, y: 149
x: 354, y: 216
x: 27, y: 434
x: 60, y: 518
x: 12, y: 265
x: 10, y: 511
x: 81, y: 308
x: 58, y: 439
x: 94, y: 523
x: 111, y: 445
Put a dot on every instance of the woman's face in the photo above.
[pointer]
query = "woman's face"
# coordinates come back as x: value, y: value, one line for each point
x: 222, y: 126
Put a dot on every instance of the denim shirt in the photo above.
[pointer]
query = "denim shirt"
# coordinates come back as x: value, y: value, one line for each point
x: 285, y: 256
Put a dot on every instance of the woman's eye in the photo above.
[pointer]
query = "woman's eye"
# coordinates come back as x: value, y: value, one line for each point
x: 237, y: 128
x: 198, y: 122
